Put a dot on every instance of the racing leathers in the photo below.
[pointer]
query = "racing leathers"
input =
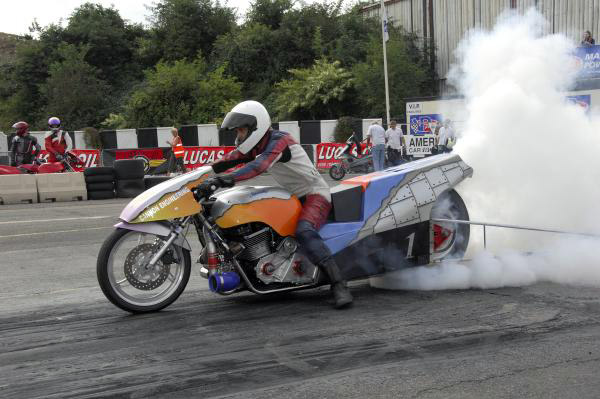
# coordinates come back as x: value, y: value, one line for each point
x: 290, y: 166
x: 24, y: 149
x: 57, y: 143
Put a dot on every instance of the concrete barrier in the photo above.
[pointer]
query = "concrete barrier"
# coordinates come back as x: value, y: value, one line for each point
x: 60, y: 187
x: 18, y: 189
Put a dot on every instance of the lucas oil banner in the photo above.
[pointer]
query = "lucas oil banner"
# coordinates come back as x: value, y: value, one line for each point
x: 89, y: 158
x: 199, y: 156
x: 329, y: 153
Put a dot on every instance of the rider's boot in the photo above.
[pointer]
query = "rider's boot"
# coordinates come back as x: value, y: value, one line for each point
x: 341, y: 293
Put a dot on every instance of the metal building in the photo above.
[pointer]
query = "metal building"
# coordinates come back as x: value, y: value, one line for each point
x: 441, y: 24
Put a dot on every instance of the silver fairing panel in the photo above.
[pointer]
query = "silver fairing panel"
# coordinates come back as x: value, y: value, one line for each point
x: 244, y: 195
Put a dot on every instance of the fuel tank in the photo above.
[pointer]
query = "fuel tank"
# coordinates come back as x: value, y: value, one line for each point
x: 272, y: 206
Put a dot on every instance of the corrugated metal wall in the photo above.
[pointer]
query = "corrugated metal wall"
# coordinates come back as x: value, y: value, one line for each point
x: 452, y: 19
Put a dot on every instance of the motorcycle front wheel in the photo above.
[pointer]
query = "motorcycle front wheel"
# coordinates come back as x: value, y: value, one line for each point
x: 337, y: 172
x: 130, y: 283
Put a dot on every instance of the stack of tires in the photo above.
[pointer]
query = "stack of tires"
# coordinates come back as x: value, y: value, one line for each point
x: 129, y: 175
x: 100, y: 182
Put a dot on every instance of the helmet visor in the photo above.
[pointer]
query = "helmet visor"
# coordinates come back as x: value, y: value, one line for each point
x: 234, y: 120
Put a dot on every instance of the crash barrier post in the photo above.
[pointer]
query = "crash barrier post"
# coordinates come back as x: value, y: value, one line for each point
x: 60, y: 187
x: 18, y: 189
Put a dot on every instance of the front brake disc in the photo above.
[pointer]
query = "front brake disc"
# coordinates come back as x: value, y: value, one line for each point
x: 137, y: 271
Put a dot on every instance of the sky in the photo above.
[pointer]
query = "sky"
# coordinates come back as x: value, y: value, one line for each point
x: 17, y: 15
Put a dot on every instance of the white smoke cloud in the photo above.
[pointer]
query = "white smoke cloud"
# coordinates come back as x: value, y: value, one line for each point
x: 536, y: 162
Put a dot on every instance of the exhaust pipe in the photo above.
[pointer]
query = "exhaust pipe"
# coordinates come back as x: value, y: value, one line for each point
x: 223, y: 282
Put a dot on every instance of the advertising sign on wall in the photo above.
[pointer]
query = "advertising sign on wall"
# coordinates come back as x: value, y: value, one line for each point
x: 199, y: 156
x: 424, y: 124
x: 89, y: 158
x: 587, y: 61
x: 584, y: 101
x: 419, y: 145
x: 328, y: 153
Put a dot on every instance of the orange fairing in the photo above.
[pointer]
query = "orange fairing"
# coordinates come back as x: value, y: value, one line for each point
x: 281, y: 214
x: 363, y: 181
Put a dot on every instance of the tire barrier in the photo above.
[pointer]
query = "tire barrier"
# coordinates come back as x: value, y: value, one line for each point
x: 154, y: 180
x: 130, y: 188
x: 100, y: 182
x: 18, y: 189
x: 60, y: 187
x: 128, y: 169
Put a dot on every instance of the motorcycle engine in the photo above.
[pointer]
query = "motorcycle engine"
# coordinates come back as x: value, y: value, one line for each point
x: 274, y: 260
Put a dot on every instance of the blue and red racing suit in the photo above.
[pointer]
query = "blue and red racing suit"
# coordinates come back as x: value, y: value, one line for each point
x: 290, y: 166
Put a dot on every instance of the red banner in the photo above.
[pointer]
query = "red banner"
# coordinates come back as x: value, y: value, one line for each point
x: 143, y: 153
x: 199, y: 156
x: 89, y: 158
x: 328, y: 154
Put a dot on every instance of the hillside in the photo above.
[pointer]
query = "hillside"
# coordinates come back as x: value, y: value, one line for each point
x: 8, y: 46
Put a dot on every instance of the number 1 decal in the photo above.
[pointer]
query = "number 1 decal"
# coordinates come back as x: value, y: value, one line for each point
x: 411, y: 240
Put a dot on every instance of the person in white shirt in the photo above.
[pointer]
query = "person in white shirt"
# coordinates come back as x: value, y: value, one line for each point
x: 394, y: 142
x: 377, y: 134
x: 446, y: 138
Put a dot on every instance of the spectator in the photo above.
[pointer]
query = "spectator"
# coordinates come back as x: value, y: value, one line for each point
x: 446, y: 137
x: 177, y: 153
x: 588, y: 40
x: 394, y: 141
x: 378, y: 134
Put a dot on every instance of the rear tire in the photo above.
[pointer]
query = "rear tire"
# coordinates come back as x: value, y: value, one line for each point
x: 449, y: 205
x: 337, y: 172
x: 122, y: 300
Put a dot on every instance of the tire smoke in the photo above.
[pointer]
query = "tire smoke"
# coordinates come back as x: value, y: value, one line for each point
x: 536, y: 161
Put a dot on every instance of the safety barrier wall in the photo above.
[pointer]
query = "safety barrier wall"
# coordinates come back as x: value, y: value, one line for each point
x: 59, y: 187
x: 18, y: 189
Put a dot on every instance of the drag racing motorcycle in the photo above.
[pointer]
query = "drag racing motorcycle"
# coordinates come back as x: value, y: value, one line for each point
x: 349, y: 163
x: 69, y: 163
x: 379, y: 223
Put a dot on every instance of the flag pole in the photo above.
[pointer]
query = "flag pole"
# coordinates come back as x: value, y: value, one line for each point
x: 385, y: 37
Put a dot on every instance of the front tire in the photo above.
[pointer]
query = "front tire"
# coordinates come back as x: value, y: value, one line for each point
x: 337, y: 172
x: 126, y: 280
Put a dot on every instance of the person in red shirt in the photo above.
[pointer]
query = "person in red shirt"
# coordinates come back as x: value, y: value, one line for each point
x: 57, y: 141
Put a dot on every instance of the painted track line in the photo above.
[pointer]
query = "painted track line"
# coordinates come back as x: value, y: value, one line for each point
x: 54, y: 232
x: 58, y: 220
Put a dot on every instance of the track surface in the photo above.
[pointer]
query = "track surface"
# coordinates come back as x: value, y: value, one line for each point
x: 59, y: 337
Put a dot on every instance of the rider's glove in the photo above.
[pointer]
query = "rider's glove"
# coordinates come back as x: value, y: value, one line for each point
x: 212, y: 184
x: 59, y: 157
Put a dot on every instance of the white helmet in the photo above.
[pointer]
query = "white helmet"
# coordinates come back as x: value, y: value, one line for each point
x: 250, y: 114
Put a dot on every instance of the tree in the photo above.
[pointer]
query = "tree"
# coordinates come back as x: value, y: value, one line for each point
x: 74, y: 90
x: 110, y: 41
x: 268, y: 12
x: 181, y: 93
x: 187, y: 28
x: 319, y: 92
x: 406, y: 76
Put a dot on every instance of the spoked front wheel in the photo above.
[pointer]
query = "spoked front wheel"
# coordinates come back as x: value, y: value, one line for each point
x: 337, y: 172
x: 127, y: 279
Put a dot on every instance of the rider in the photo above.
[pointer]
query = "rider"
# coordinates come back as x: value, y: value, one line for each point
x: 261, y: 148
x: 22, y: 145
x: 57, y: 141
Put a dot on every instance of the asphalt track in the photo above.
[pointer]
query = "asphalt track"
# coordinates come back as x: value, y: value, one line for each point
x: 60, y: 338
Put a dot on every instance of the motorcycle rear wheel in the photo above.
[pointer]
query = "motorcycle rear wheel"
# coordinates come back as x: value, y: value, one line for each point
x: 337, y: 172
x: 127, y: 281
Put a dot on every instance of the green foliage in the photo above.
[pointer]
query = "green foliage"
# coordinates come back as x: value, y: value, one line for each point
x: 406, y: 76
x: 92, y: 138
x: 187, y: 28
x: 74, y: 90
x: 318, y: 92
x: 344, y: 128
x: 181, y: 93
x: 268, y: 12
x: 114, y: 121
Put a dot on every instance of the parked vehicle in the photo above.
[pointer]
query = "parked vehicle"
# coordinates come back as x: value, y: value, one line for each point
x: 350, y: 163
x: 380, y: 222
x: 69, y: 163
